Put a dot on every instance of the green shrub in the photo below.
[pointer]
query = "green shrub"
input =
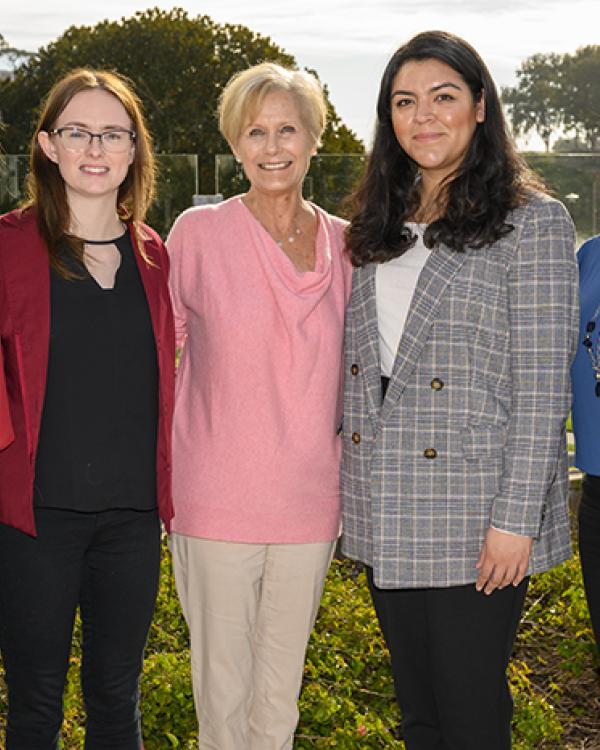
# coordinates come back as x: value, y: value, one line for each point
x: 169, y: 718
x: 347, y: 700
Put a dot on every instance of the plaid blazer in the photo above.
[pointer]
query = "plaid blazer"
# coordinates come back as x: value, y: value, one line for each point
x: 472, y: 430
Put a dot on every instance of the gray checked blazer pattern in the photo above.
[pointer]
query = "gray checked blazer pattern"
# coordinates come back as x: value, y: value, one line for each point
x: 472, y: 430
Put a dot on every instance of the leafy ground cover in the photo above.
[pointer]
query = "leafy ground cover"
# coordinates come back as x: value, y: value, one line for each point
x: 347, y: 701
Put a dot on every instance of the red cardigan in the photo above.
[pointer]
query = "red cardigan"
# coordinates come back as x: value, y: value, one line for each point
x: 24, y: 336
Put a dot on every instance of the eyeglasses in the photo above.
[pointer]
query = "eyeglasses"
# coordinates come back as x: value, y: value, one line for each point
x: 78, y: 139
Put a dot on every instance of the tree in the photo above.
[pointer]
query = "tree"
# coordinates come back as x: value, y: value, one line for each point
x: 558, y: 91
x: 536, y: 102
x: 581, y: 81
x: 12, y: 53
x: 179, y: 66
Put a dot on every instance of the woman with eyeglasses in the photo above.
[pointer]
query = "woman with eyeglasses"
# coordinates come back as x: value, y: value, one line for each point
x: 586, y: 423
x: 88, y: 347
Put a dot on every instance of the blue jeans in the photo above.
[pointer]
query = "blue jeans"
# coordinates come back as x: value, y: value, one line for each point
x: 108, y: 565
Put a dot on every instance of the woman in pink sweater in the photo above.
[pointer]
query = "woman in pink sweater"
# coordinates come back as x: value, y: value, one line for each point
x: 259, y: 286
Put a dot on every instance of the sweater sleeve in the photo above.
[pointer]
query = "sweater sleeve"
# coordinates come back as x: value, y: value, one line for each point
x: 176, y: 243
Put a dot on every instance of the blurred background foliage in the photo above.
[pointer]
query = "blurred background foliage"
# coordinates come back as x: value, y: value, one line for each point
x: 178, y: 65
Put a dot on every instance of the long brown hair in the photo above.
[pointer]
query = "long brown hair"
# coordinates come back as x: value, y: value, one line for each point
x: 45, y: 185
x: 492, y: 180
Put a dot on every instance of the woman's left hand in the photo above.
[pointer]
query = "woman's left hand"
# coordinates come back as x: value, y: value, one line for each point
x: 504, y: 559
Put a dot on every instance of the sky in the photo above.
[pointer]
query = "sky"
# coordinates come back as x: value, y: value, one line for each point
x: 346, y: 41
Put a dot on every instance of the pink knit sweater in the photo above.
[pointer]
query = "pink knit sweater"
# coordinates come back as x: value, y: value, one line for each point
x: 257, y: 400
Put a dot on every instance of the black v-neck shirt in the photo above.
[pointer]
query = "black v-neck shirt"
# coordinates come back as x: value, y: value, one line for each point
x: 97, y: 443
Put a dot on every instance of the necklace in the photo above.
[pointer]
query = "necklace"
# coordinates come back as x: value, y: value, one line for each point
x: 291, y: 238
x: 104, y: 242
x: 293, y: 244
x: 302, y: 258
x: 593, y: 351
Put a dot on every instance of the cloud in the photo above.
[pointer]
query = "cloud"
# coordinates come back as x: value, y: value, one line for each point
x: 442, y: 8
x: 347, y: 41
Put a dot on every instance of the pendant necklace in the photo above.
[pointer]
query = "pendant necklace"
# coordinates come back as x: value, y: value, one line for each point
x: 291, y: 238
x: 593, y: 351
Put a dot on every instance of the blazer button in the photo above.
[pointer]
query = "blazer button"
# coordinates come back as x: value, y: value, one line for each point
x: 437, y: 384
x: 354, y: 369
x: 356, y: 437
x: 430, y: 453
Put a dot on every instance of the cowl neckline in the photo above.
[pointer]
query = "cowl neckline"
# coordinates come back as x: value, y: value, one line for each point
x: 273, y: 257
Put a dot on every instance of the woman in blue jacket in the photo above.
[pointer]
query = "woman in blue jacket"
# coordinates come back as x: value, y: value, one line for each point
x: 586, y: 423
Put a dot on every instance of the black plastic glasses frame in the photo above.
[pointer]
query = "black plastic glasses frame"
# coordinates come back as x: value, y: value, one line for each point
x: 90, y: 136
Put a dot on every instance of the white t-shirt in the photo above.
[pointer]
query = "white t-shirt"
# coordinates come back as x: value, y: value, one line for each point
x: 395, y: 283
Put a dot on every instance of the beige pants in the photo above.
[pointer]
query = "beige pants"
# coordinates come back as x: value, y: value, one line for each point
x: 250, y: 609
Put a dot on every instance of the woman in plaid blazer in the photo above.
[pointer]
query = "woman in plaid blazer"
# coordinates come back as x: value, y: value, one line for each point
x: 460, y: 335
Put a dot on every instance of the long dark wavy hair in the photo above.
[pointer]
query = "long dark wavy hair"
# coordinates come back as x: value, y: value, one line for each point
x: 491, y: 180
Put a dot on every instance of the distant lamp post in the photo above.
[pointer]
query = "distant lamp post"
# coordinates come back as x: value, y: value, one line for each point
x: 571, y: 200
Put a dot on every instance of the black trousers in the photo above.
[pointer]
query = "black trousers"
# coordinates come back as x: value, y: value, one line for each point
x: 449, y: 649
x: 108, y: 565
x: 589, y: 546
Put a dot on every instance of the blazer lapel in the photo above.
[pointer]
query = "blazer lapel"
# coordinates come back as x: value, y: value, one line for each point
x: 439, y: 270
x: 149, y: 273
x: 367, y: 335
x: 154, y: 280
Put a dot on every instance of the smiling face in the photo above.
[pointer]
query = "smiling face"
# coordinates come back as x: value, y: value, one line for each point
x: 275, y: 147
x: 91, y: 172
x: 434, y: 116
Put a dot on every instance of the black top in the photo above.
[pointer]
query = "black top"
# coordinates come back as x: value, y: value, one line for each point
x: 97, y: 444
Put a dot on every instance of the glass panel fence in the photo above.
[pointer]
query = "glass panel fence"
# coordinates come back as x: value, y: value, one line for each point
x: 573, y: 178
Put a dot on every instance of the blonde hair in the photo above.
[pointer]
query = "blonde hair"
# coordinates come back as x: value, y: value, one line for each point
x: 245, y: 92
x: 45, y: 185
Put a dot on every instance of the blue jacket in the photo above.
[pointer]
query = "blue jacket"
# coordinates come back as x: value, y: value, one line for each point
x: 586, y: 405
